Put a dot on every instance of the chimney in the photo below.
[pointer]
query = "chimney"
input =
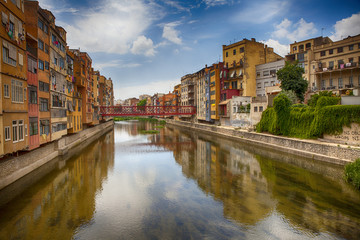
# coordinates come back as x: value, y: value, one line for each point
x: 253, y: 39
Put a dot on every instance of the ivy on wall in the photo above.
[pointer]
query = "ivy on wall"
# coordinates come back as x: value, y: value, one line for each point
x: 303, y: 121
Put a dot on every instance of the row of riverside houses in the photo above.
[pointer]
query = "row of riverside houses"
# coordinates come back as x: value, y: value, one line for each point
x: 48, y: 90
x: 237, y: 90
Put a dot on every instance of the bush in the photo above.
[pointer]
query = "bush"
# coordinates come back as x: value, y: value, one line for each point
x: 314, y: 98
x: 352, y: 173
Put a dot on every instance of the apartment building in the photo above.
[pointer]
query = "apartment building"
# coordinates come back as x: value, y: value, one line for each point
x: 240, y: 59
x: 215, y: 90
x: 73, y: 97
x: 335, y: 66
x: 14, y: 118
x: 96, y: 100
x: 266, y: 76
x: 87, y: 91
x: 188, y: 91
x: 38, y: 46
x: 177, y: 92
x: 303, y: 52
x: 201, y: 98
x: 58, y: 81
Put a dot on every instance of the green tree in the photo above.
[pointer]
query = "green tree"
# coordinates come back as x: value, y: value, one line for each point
x: 291, y: 79
x: 141, y: 103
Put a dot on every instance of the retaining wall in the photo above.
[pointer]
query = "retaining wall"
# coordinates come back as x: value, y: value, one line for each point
x: 15, y: 168
x: 315, y: 149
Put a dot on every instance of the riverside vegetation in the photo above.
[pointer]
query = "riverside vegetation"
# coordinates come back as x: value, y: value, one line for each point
x: 321, y: 115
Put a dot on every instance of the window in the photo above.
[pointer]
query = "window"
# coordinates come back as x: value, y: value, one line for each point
x: 55, y: 61
x: 46, y: 28
x: 33, y: 124
x: 261, y: 108
x: 44, y: 87
x: 234, y: 85
x: 32, y: 95
x: 255, y: 109
x: 40, y: 24
x: 7, y: 133
x: 226, y: 54
x: 6, y: 91
x: 32, y: 65
x: 258, y: 74
x: 62, y: 63
x: 300, y: 57
x: 56, y: 101
x: 44, y: 127
x: 273, y: 72
x: 46, y: 65
x: 331, y: 82
x: 331, y: 65
x: 340, y: 83
x: 9, y: 54
x: 340, y: 49
x: 258, y: 85
x: 351, y: 82
x: 323, y: 84
x: 41, y: 44
x: 234, y: 52
x: 21, y: 130
x: 322, y: 53
x: 41, y: 64
x: 308, y: 46
x: 242, y: 49
x: 46, y: 48
x: 301, y: 48
x: 351, y: 47
x: 44, y: 105
x: 331, y: 51
x: 266, y: 73
x: 58, y: 127
x: 351, y: 60
x: 17, y: 91
x: 15, y: 131
x: 294, y: 48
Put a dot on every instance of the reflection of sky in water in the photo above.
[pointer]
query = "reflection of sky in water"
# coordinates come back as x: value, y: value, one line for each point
x: 181, y: 185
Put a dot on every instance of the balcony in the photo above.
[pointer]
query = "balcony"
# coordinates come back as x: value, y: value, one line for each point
x: 337, y: 68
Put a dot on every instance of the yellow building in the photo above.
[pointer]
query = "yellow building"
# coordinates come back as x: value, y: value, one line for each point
x: 304, y: 53
x: 215, y: 91
x: 335, y: 66
x: 241, y: 59
x: 95, y: 94
x: 14, y: 119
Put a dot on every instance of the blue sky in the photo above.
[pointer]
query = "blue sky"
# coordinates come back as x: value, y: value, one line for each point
x: 145, y: 46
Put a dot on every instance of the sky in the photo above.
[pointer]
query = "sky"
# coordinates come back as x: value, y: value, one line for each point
x: 146, y: 46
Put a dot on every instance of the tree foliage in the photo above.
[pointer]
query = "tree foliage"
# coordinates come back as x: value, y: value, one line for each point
x: 141, y: 103
x: 291, y: 79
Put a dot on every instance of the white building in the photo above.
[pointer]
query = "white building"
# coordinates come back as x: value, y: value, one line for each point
x: 266, y: 76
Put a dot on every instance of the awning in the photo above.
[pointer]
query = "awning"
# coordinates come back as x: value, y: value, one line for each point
x: 225, y: 102
x: 232, y: 74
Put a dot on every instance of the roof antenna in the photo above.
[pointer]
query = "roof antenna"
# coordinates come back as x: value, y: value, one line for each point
x: 322, y: 29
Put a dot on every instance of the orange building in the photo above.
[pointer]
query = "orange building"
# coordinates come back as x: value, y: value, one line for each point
x: 95, y: 95
x: 38, y: 40
x: 14, y: 106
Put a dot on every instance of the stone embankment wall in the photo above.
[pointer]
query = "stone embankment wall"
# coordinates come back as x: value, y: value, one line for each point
x: 315, y: 149
x: 15, y: 168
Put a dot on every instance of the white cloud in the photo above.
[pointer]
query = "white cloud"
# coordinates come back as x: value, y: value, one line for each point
x: 346, y: 27
x: 112, y: 27
x: 143, y: 45
x: 279, y: 48
x: 176, y: 5
x: 114, y: 64
x: 261, y: 12
x: 148, y: 88
x: 171, y: 34
x: 212, y: 3
x: 294, y: 32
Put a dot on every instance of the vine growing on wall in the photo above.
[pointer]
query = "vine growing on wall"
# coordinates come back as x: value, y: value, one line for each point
x: 305, y: 121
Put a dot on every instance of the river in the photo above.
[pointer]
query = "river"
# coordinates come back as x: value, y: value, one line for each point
x: 179, y: 184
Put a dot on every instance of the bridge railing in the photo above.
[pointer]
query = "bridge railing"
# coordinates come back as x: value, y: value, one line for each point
x: 147, y: 110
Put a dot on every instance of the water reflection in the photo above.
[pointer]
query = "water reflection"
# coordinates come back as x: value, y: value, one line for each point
x: 181, y: 184
x: 63, y: 200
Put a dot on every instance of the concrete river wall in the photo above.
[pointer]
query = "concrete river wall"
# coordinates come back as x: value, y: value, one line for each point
x: 323, y: 151
x: 14, y: 168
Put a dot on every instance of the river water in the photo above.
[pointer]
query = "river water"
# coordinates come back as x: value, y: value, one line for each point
x: 179, y: 184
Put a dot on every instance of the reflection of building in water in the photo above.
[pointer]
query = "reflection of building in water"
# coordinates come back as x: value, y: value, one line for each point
x: 62, y: 201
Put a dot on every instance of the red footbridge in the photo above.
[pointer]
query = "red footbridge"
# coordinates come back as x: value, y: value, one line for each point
x: 114, y: 111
